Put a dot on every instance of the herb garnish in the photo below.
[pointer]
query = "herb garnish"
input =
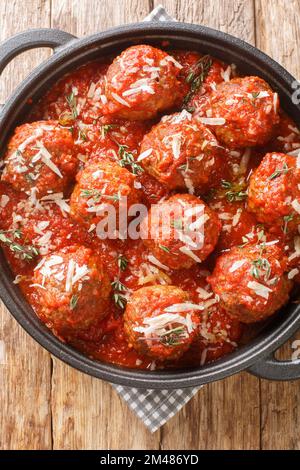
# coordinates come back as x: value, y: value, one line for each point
x: 286, y: 220
x: 107, y: 128
x: 197, y: 75
x: 173, y: 336
x: 164, y: 248
x: 127, y: 159
x: 73, y: 301
x: 122, y: 262
x: 118, y: 288
x: 82, y: 135
x: 283, y: 171
x: 233, y: 195
x: 71, y: 100
x: 26, y: 252
x: 113, y: 197
x: 261, y: 266
x: 96, y: 194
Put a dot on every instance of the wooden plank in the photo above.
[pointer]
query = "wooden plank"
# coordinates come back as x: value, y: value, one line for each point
x: 17, y: 16
x: 223, y: 415
x: 82, y: 17
x: 278, y: 33
x: 235, y: 17
x: 212, y: 420
x: 88, y: 413
x: 25, y: 368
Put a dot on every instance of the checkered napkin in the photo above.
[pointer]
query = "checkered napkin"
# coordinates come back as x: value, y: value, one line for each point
x: 156, y: 407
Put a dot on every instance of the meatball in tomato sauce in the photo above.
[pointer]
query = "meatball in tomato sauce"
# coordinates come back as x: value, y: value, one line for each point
x: 180, y: 231
x: 183, y: 154
x: 78, y: 96
x: 41, y: 156
x: 72, y: 289
x: 160, y: 322
x: 141, y: 82
x: 243, y: 112
x: 103, y: 186
x: 251, y: 281
x: 274, y: 193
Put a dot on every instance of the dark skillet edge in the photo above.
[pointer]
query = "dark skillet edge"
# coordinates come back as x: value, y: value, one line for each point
x: 262, y: 346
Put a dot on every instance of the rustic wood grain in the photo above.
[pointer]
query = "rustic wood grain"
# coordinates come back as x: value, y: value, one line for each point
x: 89, y: 414
x: 278, y: 34
x: 17, y: 16
x: 235, y: 16
x: 25, y: 368
x: 91, y: 16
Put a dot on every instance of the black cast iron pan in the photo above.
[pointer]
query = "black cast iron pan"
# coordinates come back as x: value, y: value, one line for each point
x: 258, y: 355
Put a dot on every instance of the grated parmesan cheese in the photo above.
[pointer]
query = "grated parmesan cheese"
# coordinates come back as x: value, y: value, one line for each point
x: 237, y: 265
x: 212, y: 121
x: 293, y: 273
x: 144, y: 154
x: 120, y: 100
x: 259, y: 289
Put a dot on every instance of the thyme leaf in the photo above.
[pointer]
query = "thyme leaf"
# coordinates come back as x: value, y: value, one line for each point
x: 71, y: 100
x: 26, y: 252
x: 73, y: 301
x: 280, y: 171
x: 122, y: 262
x: 127, y: 159
x: 197, y: 74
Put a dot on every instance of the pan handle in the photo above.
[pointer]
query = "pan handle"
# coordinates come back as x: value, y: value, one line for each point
x: 33, y: 38
x: 272, y: 369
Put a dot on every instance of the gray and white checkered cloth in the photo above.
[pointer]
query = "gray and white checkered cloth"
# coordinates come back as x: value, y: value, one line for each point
x: 156, y: 407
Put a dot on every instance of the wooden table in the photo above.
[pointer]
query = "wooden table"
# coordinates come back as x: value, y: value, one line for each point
x: 46, y: 404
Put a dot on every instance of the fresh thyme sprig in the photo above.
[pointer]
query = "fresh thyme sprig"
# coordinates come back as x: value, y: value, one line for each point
x: 261, y: 267
x: 286, y: 220
x: 197, y: 75
x: 280, y: 171
x: 233, y: 195
x: 118, y: 297
x: 26, y: 252
x: 106, y: 128
x: 73, y: 301
x: 127, y: 159
x: 122, y: 262
x: 173, y: 336
x: 71, y: 100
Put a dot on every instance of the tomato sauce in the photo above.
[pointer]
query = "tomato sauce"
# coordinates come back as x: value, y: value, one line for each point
x: 79, y: 104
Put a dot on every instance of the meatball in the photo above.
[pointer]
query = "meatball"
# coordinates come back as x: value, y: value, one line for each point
x: 9, y: 199
x: 112, y: 135
x: 141, y: 82
x: 78, y: 96
x: 239, y: 226
x: 72, y: 289
x: 45, y: 226
x: 181, y: 231
x: 199, y: 75
x: 287, y: 136
x: 160, y: 322
x: 251, y: 281
x: 40, y: 156
x: 274, y: 192
x: 246, y: 110
x: 219, y: 335
x: 183, y: 154
x: 103, y: 188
